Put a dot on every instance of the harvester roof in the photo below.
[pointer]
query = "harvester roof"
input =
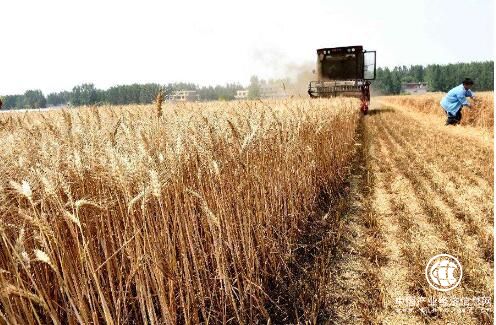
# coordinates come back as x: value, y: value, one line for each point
x: 342, y: 49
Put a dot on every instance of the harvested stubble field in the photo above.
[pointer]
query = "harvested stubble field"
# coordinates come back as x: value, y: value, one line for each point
x: 426, y: 189
x: 285, y: 211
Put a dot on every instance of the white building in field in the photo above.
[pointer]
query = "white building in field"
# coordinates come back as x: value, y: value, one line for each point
x: 185, y: 96
x: 266, y: 91
x: 414, y: 88
x: 241, y: 94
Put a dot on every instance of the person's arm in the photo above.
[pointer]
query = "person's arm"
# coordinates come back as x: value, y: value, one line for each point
x: 475, y: 99
x: 462, y: 99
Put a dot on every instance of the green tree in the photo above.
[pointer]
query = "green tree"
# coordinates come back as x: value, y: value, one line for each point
x: 208, y: 93
x: 88, y: 94
x: 433, y: 77
x: 85, y: 94
x: 254, y: 88
x: 396, y: 78
x: 12, y: 101
x: 60, y: 98
x: 75, y: 98
x: 34, y: 99
x: 387, y: 82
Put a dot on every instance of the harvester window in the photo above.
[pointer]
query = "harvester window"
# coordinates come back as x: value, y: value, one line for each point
x: 369, y: 65
x: 341, y: 67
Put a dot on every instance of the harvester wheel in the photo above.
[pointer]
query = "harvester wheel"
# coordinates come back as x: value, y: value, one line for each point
x: 364, y: 108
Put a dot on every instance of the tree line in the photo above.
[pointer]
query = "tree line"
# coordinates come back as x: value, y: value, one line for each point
x: 88, y: 94
x: 438, y: 77
x: 388, y: 82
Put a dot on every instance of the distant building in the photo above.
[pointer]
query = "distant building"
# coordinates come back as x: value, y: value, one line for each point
x: 185, y: 96
x: 271, y: 91
x: 266, y: 91
x: 414, y: 88
x: 241, y: 94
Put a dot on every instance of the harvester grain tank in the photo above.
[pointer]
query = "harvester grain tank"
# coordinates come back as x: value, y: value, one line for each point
x: 344, y: 71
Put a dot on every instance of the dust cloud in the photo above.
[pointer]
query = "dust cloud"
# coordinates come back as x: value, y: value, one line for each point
x: 299, y: 76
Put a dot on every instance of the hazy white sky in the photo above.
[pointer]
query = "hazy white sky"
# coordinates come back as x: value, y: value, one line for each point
x: 53, y: 45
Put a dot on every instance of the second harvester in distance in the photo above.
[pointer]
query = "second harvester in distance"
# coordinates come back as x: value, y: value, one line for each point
x: 344, y: 71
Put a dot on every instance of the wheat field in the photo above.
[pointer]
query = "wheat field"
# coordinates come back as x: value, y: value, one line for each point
x: 290, y: 211
x: 190, y: 213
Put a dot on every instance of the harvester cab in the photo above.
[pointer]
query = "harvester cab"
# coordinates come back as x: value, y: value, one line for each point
x: 344, y: 71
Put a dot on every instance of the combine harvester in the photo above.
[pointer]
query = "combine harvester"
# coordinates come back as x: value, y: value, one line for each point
x: 344, y: 71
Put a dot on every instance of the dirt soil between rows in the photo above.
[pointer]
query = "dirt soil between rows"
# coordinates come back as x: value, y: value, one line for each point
x: 420, y: 189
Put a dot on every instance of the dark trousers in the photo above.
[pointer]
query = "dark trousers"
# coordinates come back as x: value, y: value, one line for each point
x: 454, y: 119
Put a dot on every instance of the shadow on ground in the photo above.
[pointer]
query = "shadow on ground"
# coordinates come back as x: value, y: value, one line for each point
x: 377, y: 111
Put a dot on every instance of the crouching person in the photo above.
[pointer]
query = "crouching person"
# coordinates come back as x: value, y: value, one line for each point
x: 455, y: 99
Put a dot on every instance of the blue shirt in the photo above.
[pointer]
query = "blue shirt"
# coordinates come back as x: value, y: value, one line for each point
x: 455, y: 99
